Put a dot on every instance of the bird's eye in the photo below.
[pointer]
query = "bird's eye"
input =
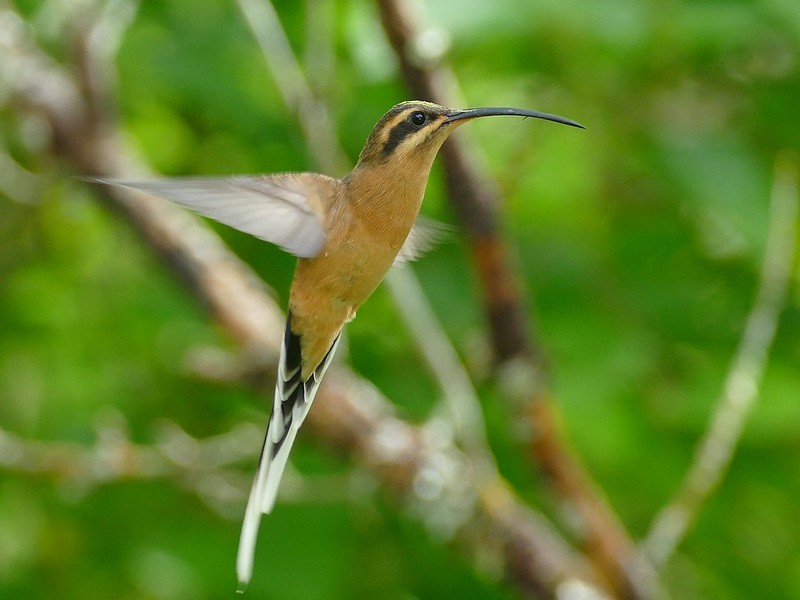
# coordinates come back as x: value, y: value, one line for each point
x: 418, y: 118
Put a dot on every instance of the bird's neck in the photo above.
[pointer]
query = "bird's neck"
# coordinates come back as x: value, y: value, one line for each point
x: 385, y: 196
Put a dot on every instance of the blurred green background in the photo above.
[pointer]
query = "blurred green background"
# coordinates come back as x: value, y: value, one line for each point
x: 640, y: 241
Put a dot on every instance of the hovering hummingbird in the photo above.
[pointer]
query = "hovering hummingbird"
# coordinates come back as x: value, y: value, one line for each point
x: 346, y: 233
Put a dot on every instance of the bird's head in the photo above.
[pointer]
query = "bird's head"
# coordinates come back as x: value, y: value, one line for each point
x: 414, y: 130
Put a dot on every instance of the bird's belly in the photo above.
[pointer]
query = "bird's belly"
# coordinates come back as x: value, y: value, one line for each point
x: 352, y: 274
x: 327, y: 291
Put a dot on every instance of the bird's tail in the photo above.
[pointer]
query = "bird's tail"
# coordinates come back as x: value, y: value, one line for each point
x: 293, y: 398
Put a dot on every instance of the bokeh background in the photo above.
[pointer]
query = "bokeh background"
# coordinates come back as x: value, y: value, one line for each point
x: 640, y: 241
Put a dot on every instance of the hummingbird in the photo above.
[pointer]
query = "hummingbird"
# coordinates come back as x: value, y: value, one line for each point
x: 346, y: 233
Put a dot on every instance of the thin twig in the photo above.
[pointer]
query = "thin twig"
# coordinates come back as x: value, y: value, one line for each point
x: 460, y: 398
x: 312, y: 114
x: 97, y: 44
x: 114, y: 457
x: 741, y: 388
x: 320, y: 49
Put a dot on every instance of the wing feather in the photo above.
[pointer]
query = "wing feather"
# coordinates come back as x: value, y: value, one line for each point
x: 424, y: 235
x: 288, y: 209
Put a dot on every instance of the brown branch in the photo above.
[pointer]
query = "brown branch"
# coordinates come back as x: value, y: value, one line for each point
x: 475, y: 201
x: 532, y: 554
x: 350, y: 415
x: 471, y: 196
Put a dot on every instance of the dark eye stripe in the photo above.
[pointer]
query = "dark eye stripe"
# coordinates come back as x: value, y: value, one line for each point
x: 398, y: 133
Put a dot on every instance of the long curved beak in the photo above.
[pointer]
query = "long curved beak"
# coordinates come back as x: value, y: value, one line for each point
x: 507, y: 111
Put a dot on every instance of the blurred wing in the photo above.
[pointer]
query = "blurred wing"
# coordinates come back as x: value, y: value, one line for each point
x: 425, y: 234
x: 288, y: 209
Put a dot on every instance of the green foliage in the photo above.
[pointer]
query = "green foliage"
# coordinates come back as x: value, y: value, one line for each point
x: 640, y: 241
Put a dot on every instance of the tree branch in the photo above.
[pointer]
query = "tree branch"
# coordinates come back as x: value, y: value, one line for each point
x: 472, y: 196
x: 461, y: 402
x: 204, y: 467
x: 312, y: 114
x: 475, y: 201
x: 741, y: 389
x: 349, y: 415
